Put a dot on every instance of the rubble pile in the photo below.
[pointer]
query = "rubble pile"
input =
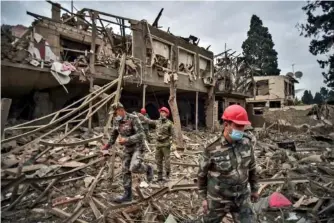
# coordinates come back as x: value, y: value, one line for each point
x: 17, y: 54
x: 70, y: 181
x: 300, y: 118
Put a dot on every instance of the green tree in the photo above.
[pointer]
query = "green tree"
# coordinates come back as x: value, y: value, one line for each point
x: 318, y: 99
x: 297, y: 101
x: 324, y: 93
x: 320, y: 27
x: 258, y: 49
x: 307, y: 98
x: 330, y: 96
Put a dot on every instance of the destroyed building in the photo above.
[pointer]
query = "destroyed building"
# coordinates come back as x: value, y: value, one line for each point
x: 273, y: 92
x: 81, y: 53
x: 54, y: 172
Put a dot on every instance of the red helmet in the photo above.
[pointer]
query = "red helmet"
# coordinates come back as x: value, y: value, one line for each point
x: 165, y: 110
x: 143, y: 111
x: 236, y: 114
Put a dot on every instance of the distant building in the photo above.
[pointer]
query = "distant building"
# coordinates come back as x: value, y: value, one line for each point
x: 272, y: 92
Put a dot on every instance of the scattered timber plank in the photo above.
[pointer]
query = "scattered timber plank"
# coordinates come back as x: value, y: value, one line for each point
x: 24, y: 169
x: 175, y: 163
x: 82, y: 142
x: 39, y: 179
x: 44, y: 192
x: 99, y: 203
x: 62, y: 214
x: 66, y: 200
x: 127, y: 217
x: 96, y: 211
x: 93, y: 185
x: 26, y: 190
x: 118, y: 92
x: 76, y: 213
x: 265, y: 185
x: 72, y: 164
x: 97, y: 94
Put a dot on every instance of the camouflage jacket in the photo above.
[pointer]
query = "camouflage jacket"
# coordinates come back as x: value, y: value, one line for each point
x: 165, y: 129
x: 130, y: 128
x: 144, y: 124
x: 225, y: 170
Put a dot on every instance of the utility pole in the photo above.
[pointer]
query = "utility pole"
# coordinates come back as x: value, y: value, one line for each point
x: 72, y: 6
x: 293, y: 68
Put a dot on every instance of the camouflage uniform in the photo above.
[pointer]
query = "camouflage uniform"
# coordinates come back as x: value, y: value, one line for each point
x: 131, y: 129
x: 165, y: 133
x: 146, y: 128
x: 224, y: 173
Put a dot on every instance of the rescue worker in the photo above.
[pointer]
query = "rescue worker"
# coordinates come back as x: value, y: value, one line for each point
x: 165, y: 134
x: 145, y: 125
x: 226, y: 167
x: 131, y: 135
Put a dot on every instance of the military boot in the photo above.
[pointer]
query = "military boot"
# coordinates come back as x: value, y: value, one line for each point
x: 160, y: 178
x: 127, y: 196
x: 149, y: 173
x: 167, y: 176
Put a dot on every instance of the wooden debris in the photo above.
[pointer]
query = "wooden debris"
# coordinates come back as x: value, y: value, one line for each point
x: 62, y: 214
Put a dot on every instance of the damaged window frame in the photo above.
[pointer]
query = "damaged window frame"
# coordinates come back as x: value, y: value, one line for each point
x: 178, y: 60
x: 210, y: 64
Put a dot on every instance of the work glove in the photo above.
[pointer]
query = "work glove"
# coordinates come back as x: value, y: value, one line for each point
x: 104, y: 150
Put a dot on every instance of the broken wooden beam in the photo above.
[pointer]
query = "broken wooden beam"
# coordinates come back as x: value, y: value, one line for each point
x: 103, y: 89
x: 24, y: 180
x: 44, y: 192
x: 118, y: 93
x: 81, y: 142
x: 66, y: 201
x: 62, y: 214
x: 76, y: 213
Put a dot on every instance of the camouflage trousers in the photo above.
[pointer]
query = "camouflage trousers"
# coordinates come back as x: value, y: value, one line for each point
x: 132, y: 163
x: 147, y: 134
x: 163, y: 152
x: 241, y: 211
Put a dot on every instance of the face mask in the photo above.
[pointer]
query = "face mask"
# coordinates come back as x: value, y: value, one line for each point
x: 162, y: 117
x: 236, y: 135
x: 118, y: 118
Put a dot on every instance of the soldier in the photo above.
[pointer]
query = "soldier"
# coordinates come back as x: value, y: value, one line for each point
x: 145, y: 125
x: 165, y: 133
x: 131, y: 133
x: 226, y: 167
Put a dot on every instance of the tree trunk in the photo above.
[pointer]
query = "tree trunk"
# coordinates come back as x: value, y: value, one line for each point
x: 175, y: 113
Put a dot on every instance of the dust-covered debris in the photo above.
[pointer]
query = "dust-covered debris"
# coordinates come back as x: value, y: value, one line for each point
x: 303, y: 173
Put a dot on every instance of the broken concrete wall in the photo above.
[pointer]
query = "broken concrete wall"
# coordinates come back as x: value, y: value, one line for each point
x: 43, y: 105
x: 230, y: 101
x: 165, y: 43
x: 50, y: 35
x: 295, y: 118
x: 256, y: 120
x: 43, y: 102
x: 273, y: 89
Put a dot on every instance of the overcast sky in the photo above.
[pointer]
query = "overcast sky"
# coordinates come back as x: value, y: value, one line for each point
x: 215, y: 23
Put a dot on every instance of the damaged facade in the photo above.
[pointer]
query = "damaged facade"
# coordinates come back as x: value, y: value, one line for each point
x: 64, y: 45
x: 272, y: 92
